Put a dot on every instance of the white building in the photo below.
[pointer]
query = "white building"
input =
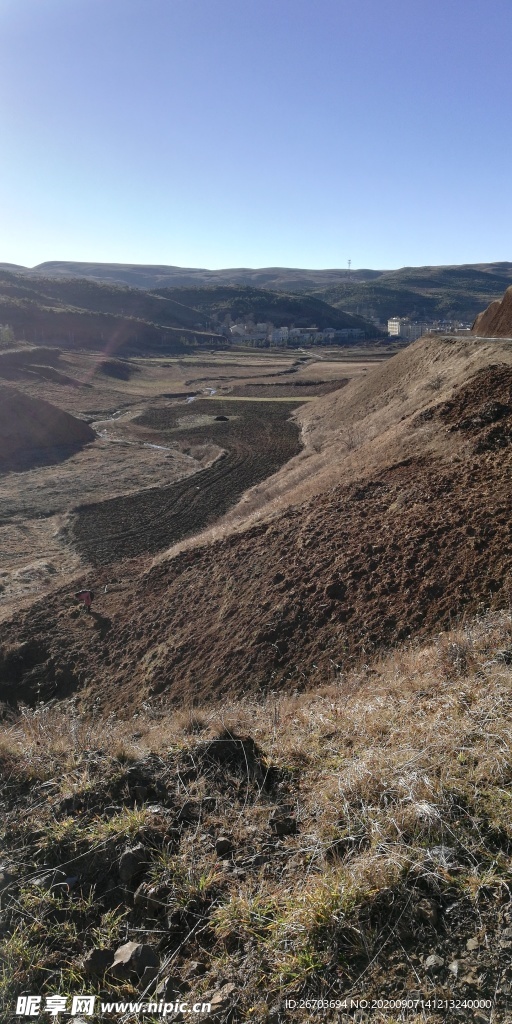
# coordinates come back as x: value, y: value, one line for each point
x: 278, y: 335
x: 401, y: 327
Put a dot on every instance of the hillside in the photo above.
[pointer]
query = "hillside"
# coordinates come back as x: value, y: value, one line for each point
x: 352, y: 545
x: 77, y: 313
x: 32, y: 430
x: 273, y: 763
x: 275, y: 850
x: 434, y: 293
x: 87, y: 314
x: 262, y: 305
x: 496, y: 320
x: 422, y: 293
x: 147, y: 276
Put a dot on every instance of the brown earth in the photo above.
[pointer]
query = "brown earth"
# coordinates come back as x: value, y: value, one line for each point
x: 32, y: 430
x: 126, y: 457
x: 254, y: 440
x: 392, y: 521
x: 297, y: 389
x: 496, y: 320
x: 287, y: 603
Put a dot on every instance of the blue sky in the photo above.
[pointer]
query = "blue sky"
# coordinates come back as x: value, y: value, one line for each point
x: 226, y: 133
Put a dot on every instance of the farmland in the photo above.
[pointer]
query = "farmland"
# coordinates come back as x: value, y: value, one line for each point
x: 159, y: 467
x: 255, y: 440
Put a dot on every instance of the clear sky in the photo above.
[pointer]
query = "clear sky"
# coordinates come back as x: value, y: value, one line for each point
x: 227, y: 133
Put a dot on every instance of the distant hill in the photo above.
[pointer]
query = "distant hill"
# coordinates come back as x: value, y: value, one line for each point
x: 88, y: 314
x: 260, y: 304
x: 140, y: 276
x: 74, y: 312
x: 422, y: 293
x: 445, y: 292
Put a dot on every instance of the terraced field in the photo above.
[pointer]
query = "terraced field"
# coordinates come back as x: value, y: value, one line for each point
x: 257, y: 439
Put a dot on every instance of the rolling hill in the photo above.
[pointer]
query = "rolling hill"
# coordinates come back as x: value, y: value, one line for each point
x: 445, y: 292
x: 423, y: 293
x: 73, y: 312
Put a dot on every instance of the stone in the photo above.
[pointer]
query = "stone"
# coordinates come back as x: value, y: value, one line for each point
x: 167, y: 988
x: 53, y: 882
x: 195, y: 969
x: 434, y: 962
x: 132, y: 862
x: 97, y: 961
x: 223, y: 846
x: 428, y: 911
x: 222, y: 1000
x: 134, y: 958
x: 189, y: 812
x: 472, y: 944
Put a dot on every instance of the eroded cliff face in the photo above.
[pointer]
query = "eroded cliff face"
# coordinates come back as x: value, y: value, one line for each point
x: 496, y: 320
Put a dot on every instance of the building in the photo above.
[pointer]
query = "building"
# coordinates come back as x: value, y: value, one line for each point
x: 407, y: 330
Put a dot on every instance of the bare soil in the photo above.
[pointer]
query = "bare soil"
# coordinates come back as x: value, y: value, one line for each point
x: 496, y: 320
x: 108, y: 395
x: 256, y: 441
x: 401, y: 554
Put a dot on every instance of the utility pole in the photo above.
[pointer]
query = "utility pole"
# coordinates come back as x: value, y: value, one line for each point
x: 349, y: 264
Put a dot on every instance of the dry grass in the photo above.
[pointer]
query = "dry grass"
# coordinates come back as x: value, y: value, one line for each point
x: 397, y: 775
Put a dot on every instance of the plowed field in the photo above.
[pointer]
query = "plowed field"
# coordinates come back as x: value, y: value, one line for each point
x: 257, y: 439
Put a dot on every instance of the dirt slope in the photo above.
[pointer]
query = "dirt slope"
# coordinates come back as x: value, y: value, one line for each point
x: 31, y: 428
x: 496, y: 320
x: 401, y: 553
x: 365, y: 427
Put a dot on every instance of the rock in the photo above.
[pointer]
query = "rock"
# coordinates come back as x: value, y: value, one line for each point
x: 111, y: 810
x: 97, y: 961
x: 283, y: 825
x: 454, y: 967
x: 434, y: 962
x: 168, y: 988
x: 195, y: 969
x: 134, y: 958
x: 428, y: 911
x: 53, y: 882
x: 150, y: 897
x: 132, y: 862
x: 222, y: 1001
x: 223, y: 846
x: 472, y: 944
x: 189, y: 812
